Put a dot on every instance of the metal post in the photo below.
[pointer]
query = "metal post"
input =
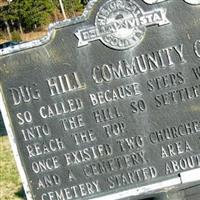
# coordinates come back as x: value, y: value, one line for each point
x: 62, y: 9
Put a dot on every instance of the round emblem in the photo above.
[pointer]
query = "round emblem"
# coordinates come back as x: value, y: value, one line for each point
x: 117, y: 23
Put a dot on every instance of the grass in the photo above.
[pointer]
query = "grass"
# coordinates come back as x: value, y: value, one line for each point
x: 10, y: 185
x: 25, y: 37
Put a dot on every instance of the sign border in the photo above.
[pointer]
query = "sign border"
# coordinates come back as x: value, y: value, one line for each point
x: 183, y: 179
x: 51, y: 31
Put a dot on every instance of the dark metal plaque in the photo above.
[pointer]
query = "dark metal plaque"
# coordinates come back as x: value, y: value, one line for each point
x: 107, y: 106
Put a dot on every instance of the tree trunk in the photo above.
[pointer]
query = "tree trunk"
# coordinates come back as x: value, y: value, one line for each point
x: 20, y: 28
x: 8, y: 30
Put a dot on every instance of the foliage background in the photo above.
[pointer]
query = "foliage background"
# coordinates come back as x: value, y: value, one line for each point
x: 19, y: 18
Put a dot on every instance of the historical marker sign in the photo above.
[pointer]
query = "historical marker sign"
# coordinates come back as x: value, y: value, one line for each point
x: 107, y: 105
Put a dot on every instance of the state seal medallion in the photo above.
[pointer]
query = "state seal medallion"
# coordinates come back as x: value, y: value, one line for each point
x: 121, y: 24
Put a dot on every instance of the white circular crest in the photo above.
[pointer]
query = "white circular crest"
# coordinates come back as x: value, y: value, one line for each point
x: 117, y: 22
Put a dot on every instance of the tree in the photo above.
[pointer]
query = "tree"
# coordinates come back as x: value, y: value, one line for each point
x: 4, y: 17
x: 15, y: 12
x: 31, y: 13
x: 72, y: 7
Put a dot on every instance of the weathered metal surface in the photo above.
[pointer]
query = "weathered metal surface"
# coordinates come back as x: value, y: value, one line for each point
x: 107, y: 106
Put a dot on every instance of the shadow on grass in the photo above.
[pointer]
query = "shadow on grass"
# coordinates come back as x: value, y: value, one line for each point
x: 21, y: 194
x: 2, y: 127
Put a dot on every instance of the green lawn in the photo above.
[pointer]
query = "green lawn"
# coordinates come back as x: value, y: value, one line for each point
x: 10, y: 185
